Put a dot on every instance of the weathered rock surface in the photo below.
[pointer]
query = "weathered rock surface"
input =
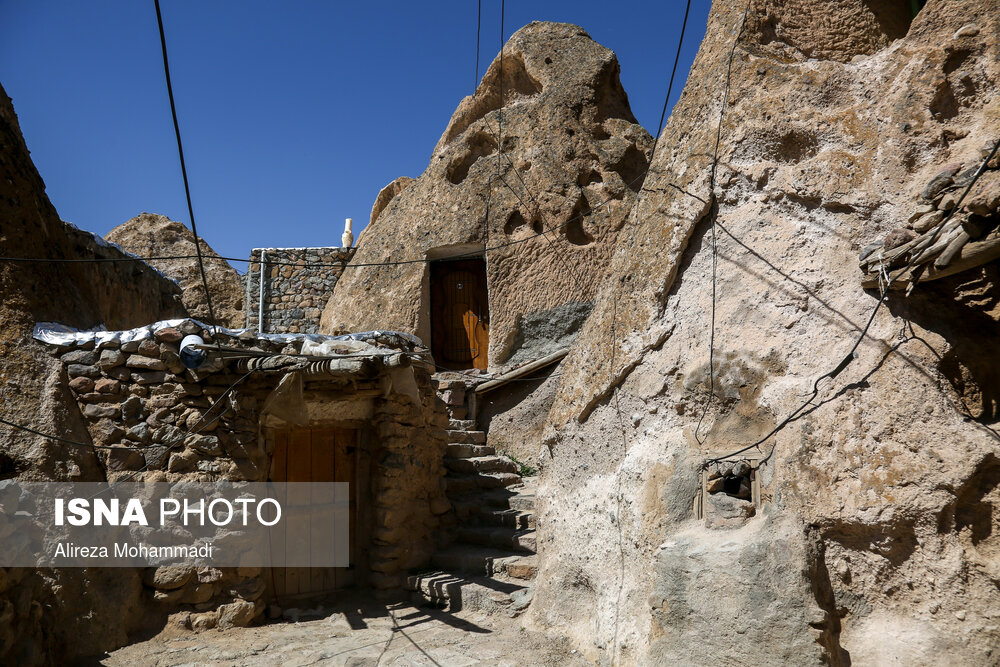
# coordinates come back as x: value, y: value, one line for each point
x: 152, y: 235
x: 878, y: 537
x: 386, y: 195
x: 94, y: 608
x: 573, y: 158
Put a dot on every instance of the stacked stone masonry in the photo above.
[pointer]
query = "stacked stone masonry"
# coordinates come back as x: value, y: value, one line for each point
x: 294, y: 296
x: 164, y: 426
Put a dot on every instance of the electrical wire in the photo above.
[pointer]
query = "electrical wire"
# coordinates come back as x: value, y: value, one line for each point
x: 479, y: 24
x: 614, y: 317
x: 713, y: 212
x: 180, y: 154
x: 852, y: 354
x: 500, y: 105
x: 338, y: 264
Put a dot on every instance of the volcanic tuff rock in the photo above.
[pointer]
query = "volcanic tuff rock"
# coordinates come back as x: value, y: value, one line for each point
x: 878, y: 537
x: 572, y: 159
x: 93, y: 611
x: 152, y: 235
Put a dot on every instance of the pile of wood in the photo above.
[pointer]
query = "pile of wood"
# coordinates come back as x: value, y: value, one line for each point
x: 961, y: 234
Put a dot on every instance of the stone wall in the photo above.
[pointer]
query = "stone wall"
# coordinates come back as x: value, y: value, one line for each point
x: 294, y: 296
x: 172, y: 424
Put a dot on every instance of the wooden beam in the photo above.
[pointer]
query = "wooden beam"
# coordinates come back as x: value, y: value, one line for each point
x: 521, y: 371
x: 971, y: 255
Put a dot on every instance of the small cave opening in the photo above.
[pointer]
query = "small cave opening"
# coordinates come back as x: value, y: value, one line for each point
x: 730, y: 493
x: 632, y: 167
x: 576, y: 233
x: 477, y: 146
x: 589, y: 177
x: 514, y: 222
x: 517, y: 225
x: 9, y: 467
x: 735, y: 480
x: 518, y: 83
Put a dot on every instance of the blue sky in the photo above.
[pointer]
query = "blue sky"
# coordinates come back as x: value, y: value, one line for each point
x: 294, y: 114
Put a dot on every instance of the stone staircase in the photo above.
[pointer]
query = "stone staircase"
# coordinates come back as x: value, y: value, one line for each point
x: 490, y: 563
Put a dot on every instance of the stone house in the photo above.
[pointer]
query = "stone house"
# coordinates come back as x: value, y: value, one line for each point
x: 296, y: 284
x: 493, y: 256
x: 361, y: 410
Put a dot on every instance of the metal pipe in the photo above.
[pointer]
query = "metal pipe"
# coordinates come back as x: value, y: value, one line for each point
x: 260, y: 304
x: 246, y: 293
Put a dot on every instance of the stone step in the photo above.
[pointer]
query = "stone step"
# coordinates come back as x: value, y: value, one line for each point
x: 502, y: 538
x: 461, y: 424
x: 472, y: 511
x: 508, y: 519
x: 476, y: 560
x: 525, y: 568
x: 461, y: 485
x: 481, y: 464
x: 508, y: 499
x: 470, y: 437
x: 460, y: 592
x: 462, y: 450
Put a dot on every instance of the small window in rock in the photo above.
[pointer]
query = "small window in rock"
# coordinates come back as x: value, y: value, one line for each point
x: 730, y: 493
x: 734, y: 480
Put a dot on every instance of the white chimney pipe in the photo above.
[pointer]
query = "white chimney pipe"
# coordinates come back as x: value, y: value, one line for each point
x: 348, y: 237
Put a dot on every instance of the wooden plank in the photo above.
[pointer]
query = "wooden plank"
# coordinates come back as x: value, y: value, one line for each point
x: 972, y: 255
x: 323, y: 455
x: 459, y: 313
x: 299, y: 455
x: 299, y: 462
x: 322, y: 471
x: 279, y: 457
x: 312, y: 455
x: 521, y: 371
x: 278, y: 473
x: 342, y: 473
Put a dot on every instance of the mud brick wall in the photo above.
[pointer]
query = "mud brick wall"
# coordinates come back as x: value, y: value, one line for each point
x: 294, y: 296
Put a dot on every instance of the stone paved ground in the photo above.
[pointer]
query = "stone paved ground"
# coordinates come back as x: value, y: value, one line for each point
x: 360, y: 633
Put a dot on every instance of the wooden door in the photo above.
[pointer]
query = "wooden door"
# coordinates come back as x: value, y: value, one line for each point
x: 313, y: 455
x: 460, y: 334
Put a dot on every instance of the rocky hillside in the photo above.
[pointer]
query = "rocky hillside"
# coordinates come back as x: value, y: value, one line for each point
x: 152, y: 235
x: 552, y: 205
x: 88, y: 613
x: 876, y: 536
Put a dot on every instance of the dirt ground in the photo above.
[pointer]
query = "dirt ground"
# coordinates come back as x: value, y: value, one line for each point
x: 356, y: 633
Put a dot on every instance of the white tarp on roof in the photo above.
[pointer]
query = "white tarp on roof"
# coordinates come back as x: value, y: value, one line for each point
x: 62, y: 335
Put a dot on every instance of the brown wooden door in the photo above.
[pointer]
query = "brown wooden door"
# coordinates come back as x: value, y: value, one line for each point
x: 460, y: 333
x: 313, y: 455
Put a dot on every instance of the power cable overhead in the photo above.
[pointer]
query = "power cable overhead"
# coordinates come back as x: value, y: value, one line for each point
x: 180, y: 154
x: 713, y: 212
x: 852, y: 353
x: 479, y: 23
x: 614, y: 317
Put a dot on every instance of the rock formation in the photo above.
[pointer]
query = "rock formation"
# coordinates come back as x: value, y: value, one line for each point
x: 876, y: 536
x: 572, y: 159
x: 93, y: 609
x: 152, y: 235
